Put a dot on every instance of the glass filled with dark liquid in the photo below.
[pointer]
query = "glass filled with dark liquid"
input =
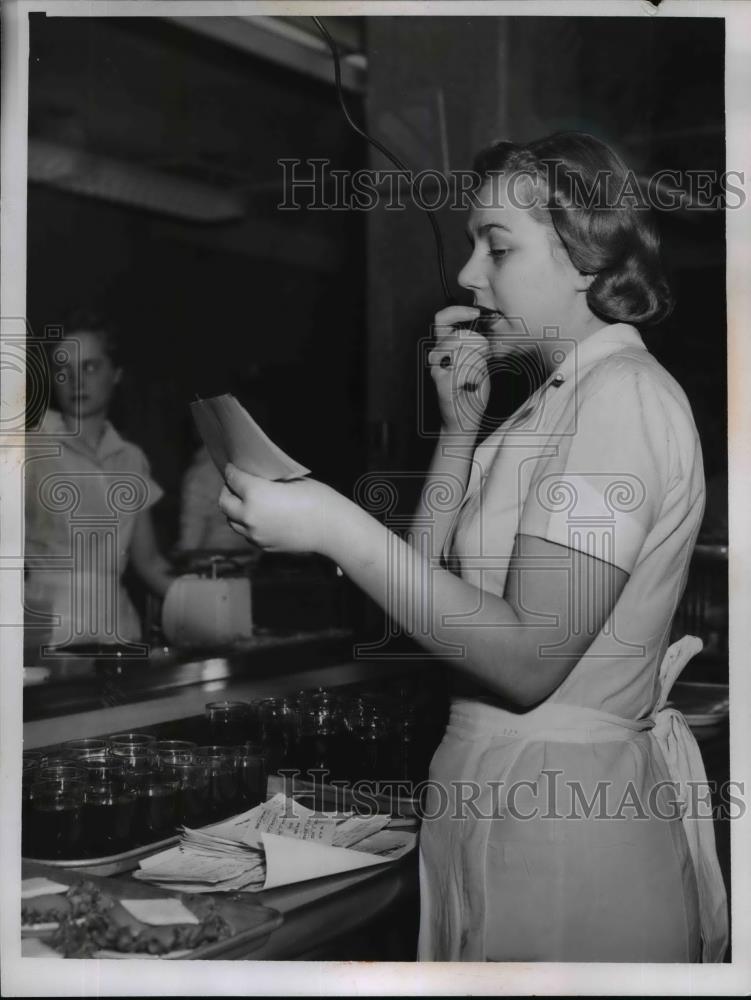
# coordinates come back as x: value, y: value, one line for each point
x: 229, y: 722
x: 133, y: 759
x: 156, y: 813
x: 192, y: 794
x: 57, y: 829
x: 250, y: 770
x: 223, y: 798
x: 372, y: 748
x: 109, y: 811
x: 323, y: 744
x: 279, y: 722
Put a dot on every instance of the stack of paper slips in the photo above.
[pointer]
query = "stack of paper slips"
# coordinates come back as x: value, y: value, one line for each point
x: 276, y: 843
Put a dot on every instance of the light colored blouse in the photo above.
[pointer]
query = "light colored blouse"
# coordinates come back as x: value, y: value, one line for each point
x: 81, y: 505
x: 607, y: 462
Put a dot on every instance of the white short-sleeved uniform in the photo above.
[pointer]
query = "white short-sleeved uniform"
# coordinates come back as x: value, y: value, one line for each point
x: 81, y: 507
x: 604, y: 458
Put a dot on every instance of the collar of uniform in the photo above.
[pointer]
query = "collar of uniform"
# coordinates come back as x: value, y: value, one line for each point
x: 607, y: 340
x: 598, y: 345
x: 109, y: 444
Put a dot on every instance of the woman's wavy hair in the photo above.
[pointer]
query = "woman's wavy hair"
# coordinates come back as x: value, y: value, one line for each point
x: 592, y: 201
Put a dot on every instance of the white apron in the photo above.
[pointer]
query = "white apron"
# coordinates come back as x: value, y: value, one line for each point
x: 453, y: 854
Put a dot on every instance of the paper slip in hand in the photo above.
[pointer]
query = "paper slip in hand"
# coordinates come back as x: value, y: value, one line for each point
x: 232, y: 435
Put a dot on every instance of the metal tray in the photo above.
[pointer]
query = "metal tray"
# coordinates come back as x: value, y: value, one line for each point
x: 114, y: 864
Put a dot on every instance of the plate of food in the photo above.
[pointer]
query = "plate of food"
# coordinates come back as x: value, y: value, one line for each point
x: 118, y: 918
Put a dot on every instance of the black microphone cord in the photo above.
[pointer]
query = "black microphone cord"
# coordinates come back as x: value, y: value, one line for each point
x: 450, y: 300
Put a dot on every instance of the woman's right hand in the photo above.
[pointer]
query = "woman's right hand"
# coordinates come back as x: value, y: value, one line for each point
x: 459, y: 369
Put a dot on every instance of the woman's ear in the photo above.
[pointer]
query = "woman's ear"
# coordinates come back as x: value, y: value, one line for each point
x: 583, y: 281
x: 118, y: 375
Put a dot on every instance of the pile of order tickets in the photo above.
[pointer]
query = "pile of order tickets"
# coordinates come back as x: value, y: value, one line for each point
x: 276, y: 843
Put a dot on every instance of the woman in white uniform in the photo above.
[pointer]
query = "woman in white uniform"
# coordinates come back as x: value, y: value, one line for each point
x: 89, y: 495
x: 559, y: 826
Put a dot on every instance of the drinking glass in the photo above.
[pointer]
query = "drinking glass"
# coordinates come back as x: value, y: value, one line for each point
x: 192, y: 791
x: 57, y: 819
x: 371, y: 742
x: 323, y: 738
x: 223, y: 783
x: 109, y: 810
x: 172, y: 751
x: 280, y: 722
x: 156, y: 808
x: 132, y: 739
x: 71, y: 770
x: 60, y: 760
x: 134, y: 758
x: 250, y: 768
x: 229, y: 721
x: 86, y: 749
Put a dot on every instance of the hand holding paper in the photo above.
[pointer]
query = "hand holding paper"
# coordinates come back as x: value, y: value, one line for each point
x: 281, y: 517
x: 232, y: 435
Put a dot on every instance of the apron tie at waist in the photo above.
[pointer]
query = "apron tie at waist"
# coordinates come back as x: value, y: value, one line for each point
x: 494, y: 729
x: 686, y: 768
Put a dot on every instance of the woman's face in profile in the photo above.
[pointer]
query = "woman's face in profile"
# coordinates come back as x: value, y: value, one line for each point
x: 85, y: 383
x: 515, y: 267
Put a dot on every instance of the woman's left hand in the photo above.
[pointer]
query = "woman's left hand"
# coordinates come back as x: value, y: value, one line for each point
x: 279, y: 516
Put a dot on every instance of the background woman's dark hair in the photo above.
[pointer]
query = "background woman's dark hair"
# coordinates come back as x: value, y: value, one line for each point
x: 592, y: 201
x: 86, y: 320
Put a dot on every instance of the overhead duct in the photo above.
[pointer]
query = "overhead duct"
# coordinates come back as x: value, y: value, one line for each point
x: 69, y: 169
x: 283, y: 41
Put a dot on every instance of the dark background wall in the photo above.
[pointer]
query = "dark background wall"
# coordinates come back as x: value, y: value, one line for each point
x: 270, y: 306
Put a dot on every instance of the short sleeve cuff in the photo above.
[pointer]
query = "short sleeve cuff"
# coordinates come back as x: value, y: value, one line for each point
x: 600, y: 515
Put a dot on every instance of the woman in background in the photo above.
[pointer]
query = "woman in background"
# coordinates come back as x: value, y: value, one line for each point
x: 559, y: 828
x: 89, y: 495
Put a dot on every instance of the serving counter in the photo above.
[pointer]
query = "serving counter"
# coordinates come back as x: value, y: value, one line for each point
x: 91, y: 696
x: 369, y: 914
